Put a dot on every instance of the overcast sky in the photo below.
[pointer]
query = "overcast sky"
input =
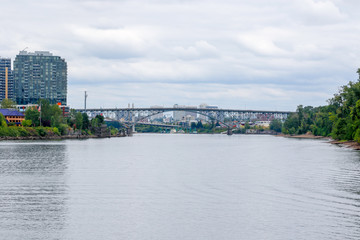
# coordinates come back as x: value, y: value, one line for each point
x: 260, y: 54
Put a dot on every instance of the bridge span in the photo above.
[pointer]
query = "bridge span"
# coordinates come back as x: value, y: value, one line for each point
x: 225, y: 116
x: 219, y: 114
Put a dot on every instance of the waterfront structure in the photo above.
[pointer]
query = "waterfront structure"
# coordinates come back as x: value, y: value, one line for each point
x: 6, y: 79
x: 40, y: 75
x: 22, y: 108
x: 12, y: 116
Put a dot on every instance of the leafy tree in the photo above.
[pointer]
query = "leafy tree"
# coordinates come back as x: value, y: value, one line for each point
x: 26, y: 123
x: 95, y: 122
x: 8, y: 103
x: 276, y: 125
x: 79, y: 120
x: 86, y: 122
x: 51, y: 115
x: 100, y: 118
x: 2, y: 121
x: 199, y: 125
x: 33, y: 115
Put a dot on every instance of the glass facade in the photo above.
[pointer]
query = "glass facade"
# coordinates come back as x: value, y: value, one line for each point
x: 6, y: 79
x: 40, y: 75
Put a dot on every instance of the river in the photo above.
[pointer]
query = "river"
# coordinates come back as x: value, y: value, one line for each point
x: 185, y: 187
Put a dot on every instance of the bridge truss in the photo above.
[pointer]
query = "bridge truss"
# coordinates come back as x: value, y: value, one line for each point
x: 222, y: 115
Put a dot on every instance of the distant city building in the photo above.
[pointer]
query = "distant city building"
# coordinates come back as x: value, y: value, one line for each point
x: 40, y: 75
x: 263, y: 123
x: 6, y: 79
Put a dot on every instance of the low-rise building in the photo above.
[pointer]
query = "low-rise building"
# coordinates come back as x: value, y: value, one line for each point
x: 13, y: 116
x: 263, y: 123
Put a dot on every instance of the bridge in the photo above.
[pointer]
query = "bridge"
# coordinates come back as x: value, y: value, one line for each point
x: 136, y: 115
x: 129, y: 123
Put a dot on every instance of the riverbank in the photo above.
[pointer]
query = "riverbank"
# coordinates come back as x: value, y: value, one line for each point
x: 348, y: 144
x: 64, y: 137
x: 303, y: 136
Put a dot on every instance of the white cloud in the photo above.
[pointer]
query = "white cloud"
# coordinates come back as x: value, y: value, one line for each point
x: 320, y: 12
x: 110, y: 43
x: 264, y: 53
x: 202, y: 49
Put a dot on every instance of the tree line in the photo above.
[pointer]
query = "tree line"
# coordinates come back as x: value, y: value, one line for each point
x: 340, y: 119
x: 49, y: 120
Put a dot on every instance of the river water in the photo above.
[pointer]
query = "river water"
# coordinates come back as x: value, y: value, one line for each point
x: 185, y: 187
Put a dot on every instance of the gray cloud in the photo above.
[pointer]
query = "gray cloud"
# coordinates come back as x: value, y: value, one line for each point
x: 267, y: 54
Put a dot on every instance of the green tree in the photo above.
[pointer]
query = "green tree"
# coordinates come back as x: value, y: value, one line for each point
x: 100, y: 118
x: 8, y: 103
x: 51, y: 115
x: 79, y: 120
x: 276, y: 125
x: 26, y: 123
x: 2, y: 121
x: 33, y: 115
x: 95, y: 122
x: 199, y: 125
x: 86, y: 122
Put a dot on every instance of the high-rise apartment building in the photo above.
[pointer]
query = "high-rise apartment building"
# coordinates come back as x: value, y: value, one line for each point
x: 6, y: 79
x: 40, y: 75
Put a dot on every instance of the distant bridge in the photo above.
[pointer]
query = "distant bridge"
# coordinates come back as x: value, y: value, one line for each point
x: 139, y: 114
x: 128, y: 123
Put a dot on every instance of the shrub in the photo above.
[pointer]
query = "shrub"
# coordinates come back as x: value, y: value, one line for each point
x: 13, y: 132
x: 4, y: 131
x: 56, y: 131
x: 41, y: 131
x: 63, y: 129
x: 32, y: 131
x: 26, y: 123
x: 114, y: 131
x: 23, y: 132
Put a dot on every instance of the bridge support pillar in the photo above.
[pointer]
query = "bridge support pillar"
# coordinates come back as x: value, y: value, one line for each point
x: 229, y: 131
x: 129, y: 132
x: 133, y: 121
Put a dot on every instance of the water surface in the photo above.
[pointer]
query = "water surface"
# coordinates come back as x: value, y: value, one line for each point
x: 165, y: 187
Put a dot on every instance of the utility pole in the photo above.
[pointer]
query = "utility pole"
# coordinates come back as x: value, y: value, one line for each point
x: 40, y: 112
x: 85, y: 100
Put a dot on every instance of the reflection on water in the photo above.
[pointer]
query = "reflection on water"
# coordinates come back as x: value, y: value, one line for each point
x: 179, y: 187
x: 32, y: 190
